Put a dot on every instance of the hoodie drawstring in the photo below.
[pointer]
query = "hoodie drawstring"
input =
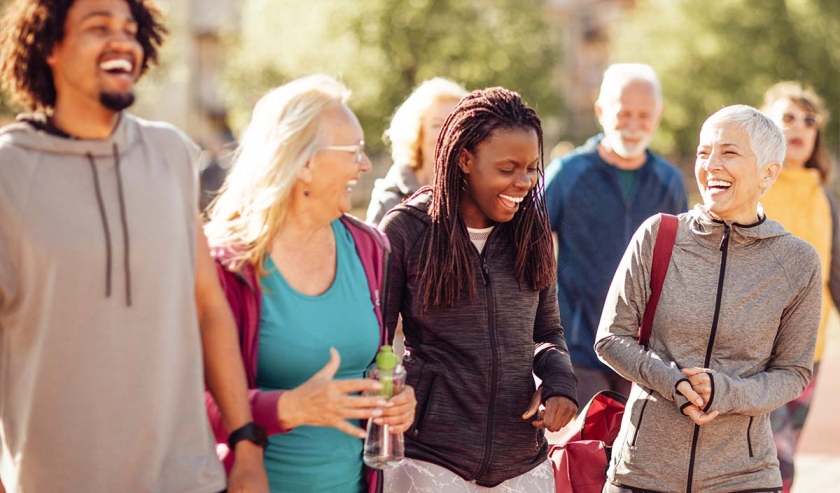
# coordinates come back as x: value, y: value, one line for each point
x: 103, y: 215
x: 126, y: 251
x: 104, y: 218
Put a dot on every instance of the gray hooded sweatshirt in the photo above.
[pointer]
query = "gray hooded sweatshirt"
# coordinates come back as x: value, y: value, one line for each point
x: 101, y: 375
x: 743, y: 301
x: 389, y: 192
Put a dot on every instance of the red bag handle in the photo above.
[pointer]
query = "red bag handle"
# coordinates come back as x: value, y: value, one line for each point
x: 662, y: 250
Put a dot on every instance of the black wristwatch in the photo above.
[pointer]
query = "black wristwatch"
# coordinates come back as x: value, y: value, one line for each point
x: 250, y: 431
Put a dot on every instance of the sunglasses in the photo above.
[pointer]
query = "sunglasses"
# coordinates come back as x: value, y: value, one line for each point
x: 358, y: 150
x: 809, y: 121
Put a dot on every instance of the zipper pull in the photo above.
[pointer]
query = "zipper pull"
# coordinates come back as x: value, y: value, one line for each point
x: 724, y: 240
x: 485, y: 272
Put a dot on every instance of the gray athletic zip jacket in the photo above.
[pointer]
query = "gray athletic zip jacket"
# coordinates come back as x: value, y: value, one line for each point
x: 743, y: 301
x: 471, y: 365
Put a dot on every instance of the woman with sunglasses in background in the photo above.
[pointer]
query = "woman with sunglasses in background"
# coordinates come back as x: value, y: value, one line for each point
x: 799, y: 201
x: 304, y: 281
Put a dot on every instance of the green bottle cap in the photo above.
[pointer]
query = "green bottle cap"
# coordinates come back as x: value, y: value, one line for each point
x: 386, y: 359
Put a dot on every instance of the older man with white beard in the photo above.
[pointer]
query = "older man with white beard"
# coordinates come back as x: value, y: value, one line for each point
x: 597, y: 197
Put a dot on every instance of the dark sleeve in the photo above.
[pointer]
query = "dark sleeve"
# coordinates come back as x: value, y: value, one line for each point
x: 393, y: 225
x: 834, y: 270
x: 679, y: 200
x: 552, y: 363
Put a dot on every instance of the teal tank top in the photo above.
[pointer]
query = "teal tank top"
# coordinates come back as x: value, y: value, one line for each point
x: 296, y: 333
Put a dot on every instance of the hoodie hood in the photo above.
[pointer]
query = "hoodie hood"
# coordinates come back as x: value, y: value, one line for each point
x: 102, y: 155
x: 400, y: 179
x: 26, y: 133
x: 390, y: 191
x: 707, y: 228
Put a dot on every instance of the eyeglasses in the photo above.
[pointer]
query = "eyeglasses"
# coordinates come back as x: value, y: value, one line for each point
x: 358, y: 149
x: 809, y: 121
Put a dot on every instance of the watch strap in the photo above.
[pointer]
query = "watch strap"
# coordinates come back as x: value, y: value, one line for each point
x: 251, y: 432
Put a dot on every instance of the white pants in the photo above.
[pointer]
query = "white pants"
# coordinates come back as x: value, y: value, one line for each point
x: 415, y: 476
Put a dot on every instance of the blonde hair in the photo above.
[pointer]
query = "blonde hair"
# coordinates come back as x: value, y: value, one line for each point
x: 405, y: 132
x: 284, y: 133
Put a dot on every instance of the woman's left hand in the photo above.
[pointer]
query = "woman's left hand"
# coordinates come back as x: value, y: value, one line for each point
x: 399, y: 413
x: 701, y: 382
x: 557, y: 413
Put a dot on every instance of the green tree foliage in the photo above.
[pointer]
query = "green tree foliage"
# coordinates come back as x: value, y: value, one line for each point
x: 382, y: 49
x: 710, y: 54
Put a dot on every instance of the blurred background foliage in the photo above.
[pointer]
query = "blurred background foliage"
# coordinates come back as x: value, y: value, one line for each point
x: 382, y: 49
x: 712, y: 54
x: 708, y: 54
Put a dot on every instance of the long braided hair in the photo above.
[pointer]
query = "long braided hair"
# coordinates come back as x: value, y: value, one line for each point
x: 447, y: 247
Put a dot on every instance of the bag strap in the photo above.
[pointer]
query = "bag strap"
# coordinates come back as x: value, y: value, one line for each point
x: 662, y: 250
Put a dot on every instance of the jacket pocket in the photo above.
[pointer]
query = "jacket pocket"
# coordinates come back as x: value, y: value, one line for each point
x: 423, y: 409
x: 639, y: 422
x: 749, y: 437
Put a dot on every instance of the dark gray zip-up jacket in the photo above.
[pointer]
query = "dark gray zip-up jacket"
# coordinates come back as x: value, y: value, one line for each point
x: 471, y: 366
x: 743, y: 301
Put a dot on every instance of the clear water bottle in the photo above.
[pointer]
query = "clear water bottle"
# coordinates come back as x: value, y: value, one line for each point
x: 383, y: 448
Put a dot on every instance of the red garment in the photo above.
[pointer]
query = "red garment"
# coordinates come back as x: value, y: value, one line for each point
x: 245, y: 299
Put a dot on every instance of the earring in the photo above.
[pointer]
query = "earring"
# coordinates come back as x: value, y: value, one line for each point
x: 306, y: 192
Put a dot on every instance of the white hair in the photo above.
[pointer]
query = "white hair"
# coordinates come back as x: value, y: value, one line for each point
x: 284, y: 133
x: 620, y: 75
x: 766, y: 137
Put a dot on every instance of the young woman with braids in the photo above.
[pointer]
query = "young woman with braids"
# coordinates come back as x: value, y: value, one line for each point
x: 472, y: 274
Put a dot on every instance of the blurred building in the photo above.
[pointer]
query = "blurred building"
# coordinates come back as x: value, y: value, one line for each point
x: 186, y: 89
x: 585, y: 28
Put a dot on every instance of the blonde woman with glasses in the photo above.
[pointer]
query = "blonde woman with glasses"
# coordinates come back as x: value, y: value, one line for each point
x: 304, y: 280
x: 800, y: 202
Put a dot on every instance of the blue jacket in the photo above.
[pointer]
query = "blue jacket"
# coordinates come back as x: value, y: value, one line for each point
x: 594, y: 224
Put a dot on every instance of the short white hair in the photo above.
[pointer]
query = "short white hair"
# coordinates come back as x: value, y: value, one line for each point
x: 766, y: 137
x: 620, y: 75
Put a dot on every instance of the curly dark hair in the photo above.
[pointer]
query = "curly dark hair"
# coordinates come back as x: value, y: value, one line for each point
x: 447, y: 246
x: 31, y: 28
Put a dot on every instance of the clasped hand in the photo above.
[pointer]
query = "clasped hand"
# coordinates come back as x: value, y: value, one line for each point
x: 698, y: 391
x: 322, y: 401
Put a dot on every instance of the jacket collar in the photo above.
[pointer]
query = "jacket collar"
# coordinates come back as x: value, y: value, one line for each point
x: 709, y: 230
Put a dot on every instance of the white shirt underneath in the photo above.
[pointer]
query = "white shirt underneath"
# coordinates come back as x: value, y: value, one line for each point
x: 478, y: 237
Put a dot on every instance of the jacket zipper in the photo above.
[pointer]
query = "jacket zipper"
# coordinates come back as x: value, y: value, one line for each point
x: 749, y: 438
x: 491, y: 325
x: 724, y: 248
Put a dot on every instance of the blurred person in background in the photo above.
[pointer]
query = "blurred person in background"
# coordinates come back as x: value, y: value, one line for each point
x: 596, y: 198
x: 734, y: 332
x: 305, y: 282
x: 472, y: 275
x: 112, y: 319
x: 413, y: 133
x: 801, y: 203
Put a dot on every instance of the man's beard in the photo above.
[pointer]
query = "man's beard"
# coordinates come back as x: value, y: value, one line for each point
x: 116, y: 101
x: 632, y: 151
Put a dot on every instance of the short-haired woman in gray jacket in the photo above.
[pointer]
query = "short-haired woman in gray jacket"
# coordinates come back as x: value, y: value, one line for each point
x: 734, y: 333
